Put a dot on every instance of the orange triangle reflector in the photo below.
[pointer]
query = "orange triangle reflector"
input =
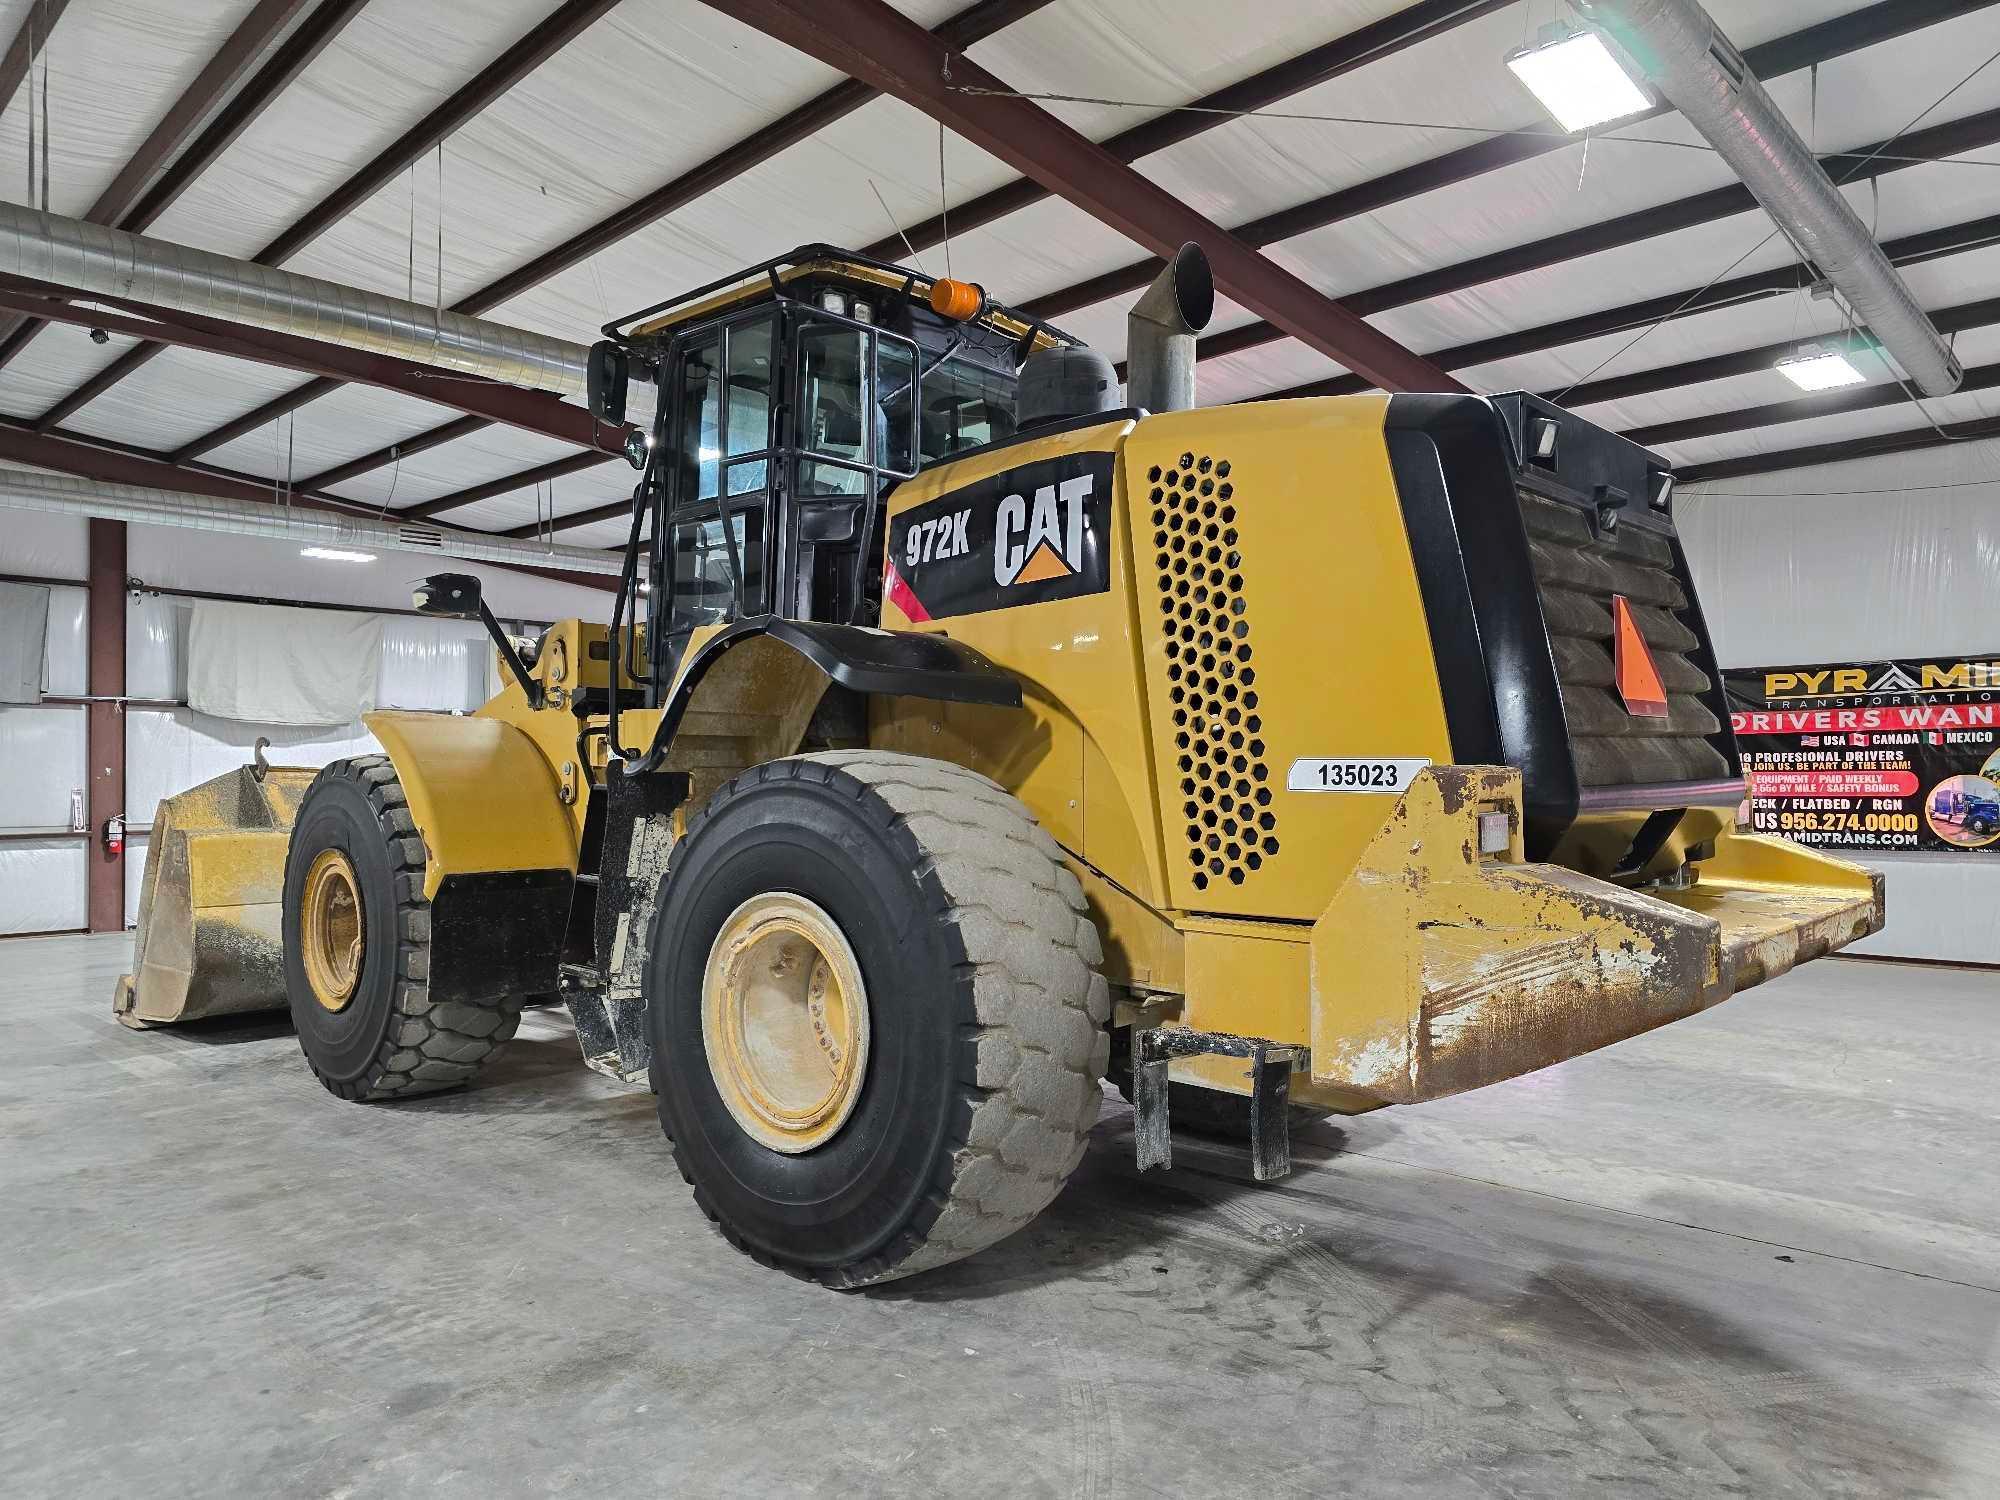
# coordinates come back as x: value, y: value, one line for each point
x: 1044, y: 564
x: 1638, y: 679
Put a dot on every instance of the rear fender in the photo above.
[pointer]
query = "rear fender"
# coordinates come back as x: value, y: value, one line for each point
x: 500, y: 850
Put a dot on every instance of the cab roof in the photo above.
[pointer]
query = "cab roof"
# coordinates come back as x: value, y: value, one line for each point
x: 826, y: 262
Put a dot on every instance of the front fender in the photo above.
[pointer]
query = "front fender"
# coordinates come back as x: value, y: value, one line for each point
x: 483, y: 797
x: 500, y: 851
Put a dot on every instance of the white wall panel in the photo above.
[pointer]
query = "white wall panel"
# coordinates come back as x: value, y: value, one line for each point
x: 1940, y: 907
x: 44, y: 885
x: 66, y: 652
x: 41, y: 747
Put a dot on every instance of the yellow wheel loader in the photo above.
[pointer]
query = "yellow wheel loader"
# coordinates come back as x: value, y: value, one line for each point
x: 973, y: 738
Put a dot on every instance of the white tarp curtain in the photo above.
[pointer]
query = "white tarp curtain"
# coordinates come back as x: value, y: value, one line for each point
x: 442, y: 665
x: 24, y: 628
x: 271, y: 665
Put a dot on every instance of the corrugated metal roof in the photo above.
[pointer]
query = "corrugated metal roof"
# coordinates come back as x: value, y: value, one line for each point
x: 655, y: 87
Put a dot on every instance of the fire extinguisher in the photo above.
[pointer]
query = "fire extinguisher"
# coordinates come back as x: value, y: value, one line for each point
x: 114, y: 835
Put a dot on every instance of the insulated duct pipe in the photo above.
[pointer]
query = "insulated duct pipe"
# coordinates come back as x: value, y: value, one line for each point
x: 61, y: 494
x: 93, y: 260
x: 1686, y: 56
x: 1160, y: 330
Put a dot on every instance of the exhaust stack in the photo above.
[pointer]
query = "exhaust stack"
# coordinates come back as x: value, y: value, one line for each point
x: 1160, y: 332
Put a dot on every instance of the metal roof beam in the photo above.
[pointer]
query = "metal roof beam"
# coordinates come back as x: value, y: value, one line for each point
x: 1909, y: 440
x: 534, y: 48
x: 408, y: 447
x: 1950, y: 139
x: 1883, y: 21
x: 1799, y: 409
x: 1370, y: 43
x: 538, y: 412
x: 27, y: 45
x: 867, y: 40
x: 122, y: 463
x: 540, y: 474
x: 147, y: 186
x: 1910, y: 250
x: 968, y: 26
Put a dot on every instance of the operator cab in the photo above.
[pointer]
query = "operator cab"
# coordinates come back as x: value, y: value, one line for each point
x: 792, y: 397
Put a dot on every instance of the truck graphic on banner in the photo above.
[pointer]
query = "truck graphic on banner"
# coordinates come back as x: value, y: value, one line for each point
x: 1901, y: 754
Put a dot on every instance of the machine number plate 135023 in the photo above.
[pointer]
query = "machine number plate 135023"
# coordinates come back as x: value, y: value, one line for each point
x: 1353, y: 775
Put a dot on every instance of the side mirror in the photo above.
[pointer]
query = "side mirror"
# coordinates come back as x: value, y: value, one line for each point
x: 453, y: 595
x: 607, y: 372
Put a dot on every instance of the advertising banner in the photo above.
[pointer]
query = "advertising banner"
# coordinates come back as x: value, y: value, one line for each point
x: 1898, y: 754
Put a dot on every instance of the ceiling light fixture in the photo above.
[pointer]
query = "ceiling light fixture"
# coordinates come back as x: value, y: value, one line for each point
x: 1817, y: 368
x: 1577, y: 78
x: 336, y: 554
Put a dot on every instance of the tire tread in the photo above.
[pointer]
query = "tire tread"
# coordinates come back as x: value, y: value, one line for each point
x: 429, y: 1046
x: 1035, y: 1044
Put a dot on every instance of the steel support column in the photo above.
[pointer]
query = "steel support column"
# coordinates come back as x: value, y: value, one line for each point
x: 104, y: 741
x: 869, y: 41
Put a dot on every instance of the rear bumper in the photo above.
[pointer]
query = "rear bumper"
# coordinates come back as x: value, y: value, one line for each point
x: 1436, y: 969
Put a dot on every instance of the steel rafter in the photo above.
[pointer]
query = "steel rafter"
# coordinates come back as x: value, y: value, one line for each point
x: 540, y: 43
x: 1330, y: 60
x: 538, y: 412
x: 1878, y: 23
x: 970, y: 25
x: 29, y: 39
x: 1908, y: 440
x: 1910, y: 250
x: 867, y: 40
x: 148, y: 185
x: 123, y: 463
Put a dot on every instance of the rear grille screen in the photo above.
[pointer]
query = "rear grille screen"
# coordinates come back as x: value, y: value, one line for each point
x: 1577, y: 570
x: 1205, y: 625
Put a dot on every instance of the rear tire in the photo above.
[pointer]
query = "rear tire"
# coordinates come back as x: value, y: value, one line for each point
x: 384, y: 1038
x: 984, y: 1022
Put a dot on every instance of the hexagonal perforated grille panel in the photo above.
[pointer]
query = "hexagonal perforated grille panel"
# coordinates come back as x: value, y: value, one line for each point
x: 1212, y: 694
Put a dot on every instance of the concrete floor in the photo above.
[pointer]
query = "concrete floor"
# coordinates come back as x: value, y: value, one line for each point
x: 1756, y: 1253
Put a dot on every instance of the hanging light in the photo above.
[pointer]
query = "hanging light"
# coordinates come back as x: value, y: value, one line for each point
x: 1817, y: 368
x: 336, y: 554
x: 1577, y: 78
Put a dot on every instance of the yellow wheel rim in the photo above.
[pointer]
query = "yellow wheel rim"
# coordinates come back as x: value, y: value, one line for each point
x: 784, y: 1017
x: 332, y: 932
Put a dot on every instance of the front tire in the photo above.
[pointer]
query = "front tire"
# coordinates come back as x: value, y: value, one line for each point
x: 358, y: 946
x: 911, y: 910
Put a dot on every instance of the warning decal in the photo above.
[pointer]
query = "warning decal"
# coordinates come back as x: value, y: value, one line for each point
x: 1637, y: 677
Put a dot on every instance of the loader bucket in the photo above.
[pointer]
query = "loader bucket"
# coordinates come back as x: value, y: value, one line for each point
x: 210, y: 940
x: 1438, y: 969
